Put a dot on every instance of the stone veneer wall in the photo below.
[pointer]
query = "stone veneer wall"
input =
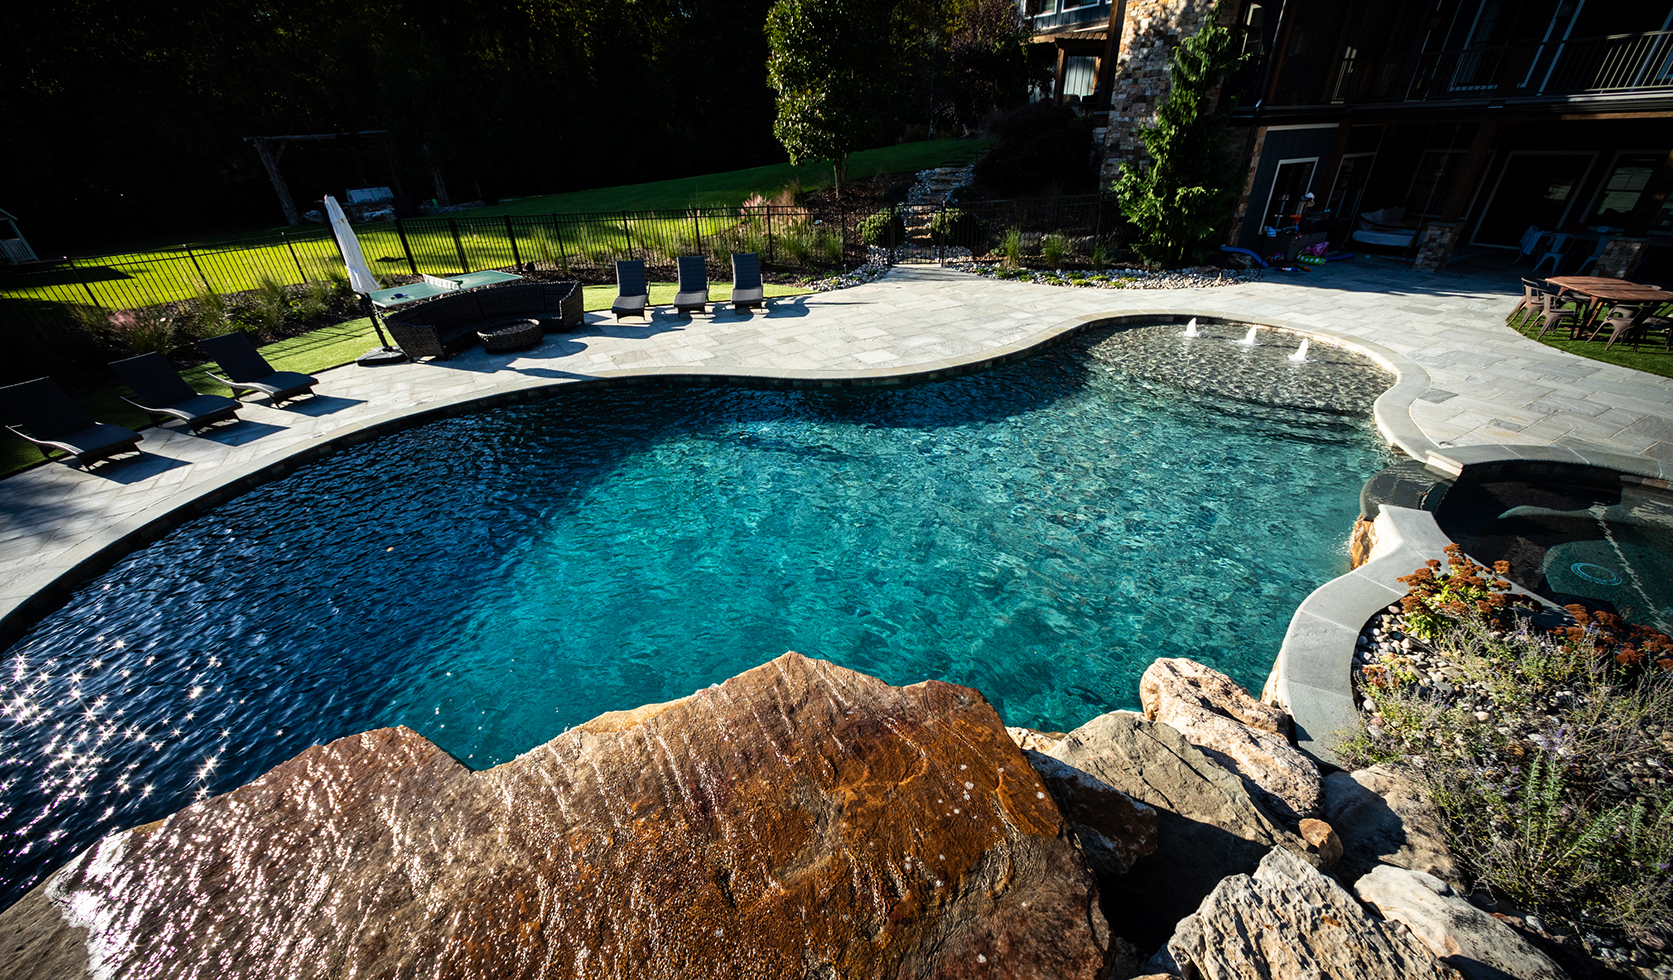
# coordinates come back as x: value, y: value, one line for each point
x: 1151, y: 30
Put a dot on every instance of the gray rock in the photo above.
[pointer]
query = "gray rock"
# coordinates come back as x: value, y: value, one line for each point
x: 1385, y: 818
x: 1246, y: 736
x: 1112, y: 828
x: 1478, y: 945
x: 1289, y: 921
x: 1207, y: 825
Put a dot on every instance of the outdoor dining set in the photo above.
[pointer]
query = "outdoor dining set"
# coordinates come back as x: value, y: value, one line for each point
x: 1589, y: 306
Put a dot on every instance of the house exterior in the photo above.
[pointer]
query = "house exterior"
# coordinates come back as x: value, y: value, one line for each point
x: 1479, y: 119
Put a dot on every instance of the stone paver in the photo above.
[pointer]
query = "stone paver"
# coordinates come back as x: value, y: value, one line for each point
x: 1485, y: 383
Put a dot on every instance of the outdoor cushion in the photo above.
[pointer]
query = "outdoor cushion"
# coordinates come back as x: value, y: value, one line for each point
x: 52, y: 420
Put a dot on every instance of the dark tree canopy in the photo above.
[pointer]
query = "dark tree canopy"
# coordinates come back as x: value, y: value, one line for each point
x: 117, y: 115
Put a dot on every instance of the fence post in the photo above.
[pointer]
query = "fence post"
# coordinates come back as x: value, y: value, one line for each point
x: 516, y: 259
x: 563, y: 253
x: 1098, y: 222
x: 201, y: 277
x: 86, y: 288
x: 401, y: 232
x: 627, y: 231
x: 697, y: 229
x: 288, y: 244
x: 772, y: 253
x: 464, y: 264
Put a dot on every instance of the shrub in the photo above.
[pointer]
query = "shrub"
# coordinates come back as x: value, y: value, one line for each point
x: 1440, y: 598
x: 1054, y: 249
x: 1545, y: 749
x: 268, y: 304
x: 1040, y: 145
x: 144, y: 330
x: 1011, y: 247
x: 958, y: 227
x: 313, y: 302
x: 885, y: 228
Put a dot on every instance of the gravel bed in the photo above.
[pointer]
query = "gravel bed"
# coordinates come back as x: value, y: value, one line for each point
x: 1198, y: 277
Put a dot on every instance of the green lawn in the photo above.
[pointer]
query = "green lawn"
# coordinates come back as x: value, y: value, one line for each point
x: 1649, y: 359
x: 311, y: 353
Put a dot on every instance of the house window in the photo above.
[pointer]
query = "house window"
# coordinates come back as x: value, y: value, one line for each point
x: 1623, y: 188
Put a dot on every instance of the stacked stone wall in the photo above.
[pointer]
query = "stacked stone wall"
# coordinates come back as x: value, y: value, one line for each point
x: 1152, y: 29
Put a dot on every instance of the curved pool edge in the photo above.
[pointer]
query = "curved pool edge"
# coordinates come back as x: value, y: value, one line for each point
x: 35, y: 595
x: 1313, y: 675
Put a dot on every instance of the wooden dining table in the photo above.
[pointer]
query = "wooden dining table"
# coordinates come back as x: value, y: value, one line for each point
x: 1600, y: 291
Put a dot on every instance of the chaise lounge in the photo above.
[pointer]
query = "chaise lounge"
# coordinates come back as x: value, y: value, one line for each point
x: 693, y: 294
x: 747, y: 290
x: 159, y: 390
x: 450, y: 324
x: 244, y: 369
x: 55, y: 421
x: 632, y: 293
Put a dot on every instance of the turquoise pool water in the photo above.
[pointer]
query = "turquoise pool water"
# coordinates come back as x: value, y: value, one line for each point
x: 1041, y: 532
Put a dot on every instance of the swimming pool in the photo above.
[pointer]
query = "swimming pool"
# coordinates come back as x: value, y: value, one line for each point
x: 1040, y: 531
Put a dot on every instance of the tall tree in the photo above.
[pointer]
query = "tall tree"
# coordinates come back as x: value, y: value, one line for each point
x: 987, y: 60
x: 834, y: 66
x: 1187, y: 193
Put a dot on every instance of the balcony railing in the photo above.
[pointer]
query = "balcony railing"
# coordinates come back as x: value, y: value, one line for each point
x: 1616, y: 64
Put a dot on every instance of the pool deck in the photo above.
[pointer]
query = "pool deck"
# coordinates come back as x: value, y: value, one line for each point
x: 1466, y: 380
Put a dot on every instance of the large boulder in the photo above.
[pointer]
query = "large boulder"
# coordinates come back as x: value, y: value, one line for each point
x: 1246, y: 736
x: 1207, y: 826
x: 799, y: 820
x: 1288, y: 920
x: 1477, y: 944
x: 1383, y: 817
x: 1113, y: 829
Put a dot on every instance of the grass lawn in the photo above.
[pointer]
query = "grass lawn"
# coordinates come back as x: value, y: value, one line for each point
x: 1649, y: 359
x: 310, y: 353
x: 144, y: 278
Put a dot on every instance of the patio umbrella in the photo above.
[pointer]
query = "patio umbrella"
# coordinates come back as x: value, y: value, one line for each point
x: 361, y: 281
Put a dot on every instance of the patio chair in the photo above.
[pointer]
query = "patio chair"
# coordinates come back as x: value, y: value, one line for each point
x: 1532, y: 300
x: 693, y: 295
x: 1556, y: 251
x: 1554, y: 312
x: 244, y: 369
x: 159, y: 390
x: 55, y: 421
x: 1625, y: 322
x: 632, y: 294
x: 747, y: 290
x: 1597, y: 250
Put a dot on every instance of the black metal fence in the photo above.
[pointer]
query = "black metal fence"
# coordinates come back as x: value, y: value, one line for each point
x: 40, y: 299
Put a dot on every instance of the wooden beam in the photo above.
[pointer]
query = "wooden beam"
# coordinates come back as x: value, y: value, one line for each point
x: 1062, y: 69
x: 1112, y: 54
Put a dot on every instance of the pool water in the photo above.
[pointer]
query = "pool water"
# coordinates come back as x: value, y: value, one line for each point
x: 1040, y: 531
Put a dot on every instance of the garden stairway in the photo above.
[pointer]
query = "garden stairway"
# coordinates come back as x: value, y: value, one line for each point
x: 926, y: 197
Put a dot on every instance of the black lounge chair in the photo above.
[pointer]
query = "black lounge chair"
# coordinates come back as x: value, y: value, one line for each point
x: 55, y: 421
x: 244, y: 369
x: 631, y: 292
x: 693, y: 295
x: 159, y: 390
x: 746, y: 281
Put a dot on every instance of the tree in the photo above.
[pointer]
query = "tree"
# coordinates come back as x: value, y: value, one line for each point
x: 833, y: 65
x: 987, y: 60
x: 1188, y: 193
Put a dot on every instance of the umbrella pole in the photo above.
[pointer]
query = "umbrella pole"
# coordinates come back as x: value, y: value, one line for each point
x: 388, y: 353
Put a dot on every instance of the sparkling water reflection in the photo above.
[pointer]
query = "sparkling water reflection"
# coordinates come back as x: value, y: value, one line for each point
x: 1039, y: 532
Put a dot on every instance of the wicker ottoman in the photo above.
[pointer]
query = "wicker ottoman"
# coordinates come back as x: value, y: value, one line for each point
x: 511, y: 335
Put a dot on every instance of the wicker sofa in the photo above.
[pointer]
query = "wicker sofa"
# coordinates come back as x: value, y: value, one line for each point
x: 446, y: 325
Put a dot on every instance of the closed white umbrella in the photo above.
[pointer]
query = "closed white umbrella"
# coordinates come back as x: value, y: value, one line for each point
x: 361, y: 280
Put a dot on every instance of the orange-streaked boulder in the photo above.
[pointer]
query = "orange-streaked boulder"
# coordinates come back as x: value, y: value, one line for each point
x: 799, y: 820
